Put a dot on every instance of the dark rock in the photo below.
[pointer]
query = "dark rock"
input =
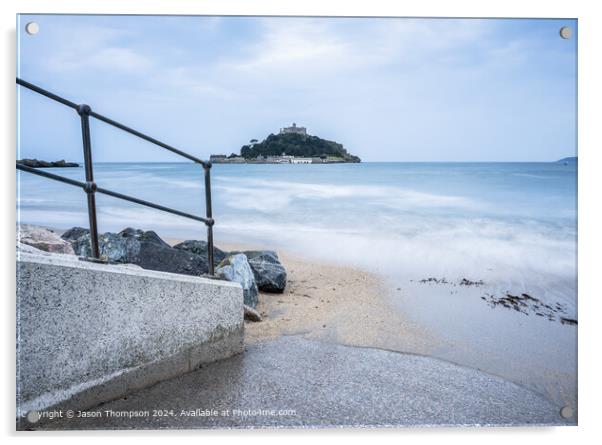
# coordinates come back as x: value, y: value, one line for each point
x: 145, y: 249
x: 201, y: 248
x: 149, y: 251
x: 36, y: 163
x: 74, y: 233
x: 251, y: 314
x: 269, y: 273
x: 236, y: 268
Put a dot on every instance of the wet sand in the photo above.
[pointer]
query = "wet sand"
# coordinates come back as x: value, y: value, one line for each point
x: 336, y: 304
x: 353, y: 307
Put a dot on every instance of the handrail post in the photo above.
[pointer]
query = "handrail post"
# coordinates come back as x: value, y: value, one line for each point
x: 209, y: 214
x: 90, y: 188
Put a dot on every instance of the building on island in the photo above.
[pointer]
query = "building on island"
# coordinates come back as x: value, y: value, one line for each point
x: 294, y: 129
x: 301, y: 161
x: 218, y: 158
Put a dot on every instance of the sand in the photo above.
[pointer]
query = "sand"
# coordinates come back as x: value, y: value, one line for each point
x: 337, y: 304
x: 352, y: 307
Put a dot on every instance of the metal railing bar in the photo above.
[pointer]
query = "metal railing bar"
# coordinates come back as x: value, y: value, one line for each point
x: 152, y: 140
x: 48, y: 94
x: 104, y: 191
x: 209, y: 214
x: 50, y: 175
x: 152, y: 205
x: 91, y: 188
x: 84, y: 113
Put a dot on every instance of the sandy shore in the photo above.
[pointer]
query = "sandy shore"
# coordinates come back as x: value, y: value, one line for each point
x: 353, y: 307
x: 336, y: 304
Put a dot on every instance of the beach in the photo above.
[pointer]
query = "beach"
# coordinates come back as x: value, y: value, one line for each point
x: 349, y: 306
x: 333, y: 349
x: 470, y: 263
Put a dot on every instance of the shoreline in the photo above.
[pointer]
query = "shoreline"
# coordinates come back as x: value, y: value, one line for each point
x: 337, y: 304
x: 350, y: 306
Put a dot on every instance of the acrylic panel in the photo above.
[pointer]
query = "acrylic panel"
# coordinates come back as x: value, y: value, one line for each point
x: 236, y: 222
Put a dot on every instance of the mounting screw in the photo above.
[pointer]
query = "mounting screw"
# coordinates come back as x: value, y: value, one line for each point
x: 32, y: 28
x: 566, y: 32
x: 566, y: 412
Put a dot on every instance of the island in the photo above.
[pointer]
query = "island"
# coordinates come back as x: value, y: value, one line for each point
x: 292, y: 145
x: 36, y: 163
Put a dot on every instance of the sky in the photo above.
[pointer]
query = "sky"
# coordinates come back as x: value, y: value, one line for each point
x: 388, y: 89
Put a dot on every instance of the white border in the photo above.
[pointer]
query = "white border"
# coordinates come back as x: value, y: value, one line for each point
x: 590, y: 188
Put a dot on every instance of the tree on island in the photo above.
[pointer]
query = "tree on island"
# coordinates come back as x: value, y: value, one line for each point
x: 298, y: 145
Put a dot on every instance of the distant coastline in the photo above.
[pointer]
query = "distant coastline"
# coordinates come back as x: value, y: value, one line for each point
x: 568, y: 160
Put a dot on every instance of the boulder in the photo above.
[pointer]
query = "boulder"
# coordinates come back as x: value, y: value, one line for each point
x: 270, y: 275
x: 236, y: 268
x: 111, y: 245
x: 43, y: 239
x: 201, y: 248
x: 74, y: 233
x: 143, y: 248
x: 149, y: 251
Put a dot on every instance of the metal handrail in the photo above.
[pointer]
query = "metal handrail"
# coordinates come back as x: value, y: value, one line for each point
x: 91, y: 188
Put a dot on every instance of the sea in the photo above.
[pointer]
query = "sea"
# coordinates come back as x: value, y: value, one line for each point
x: 512, y: 226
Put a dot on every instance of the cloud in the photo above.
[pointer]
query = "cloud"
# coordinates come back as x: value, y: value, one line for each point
x: 102, y: 49
x: 445, y: 89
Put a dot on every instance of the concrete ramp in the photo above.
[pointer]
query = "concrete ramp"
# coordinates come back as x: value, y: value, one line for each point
x: 294, y: 382
x: 89, y: 333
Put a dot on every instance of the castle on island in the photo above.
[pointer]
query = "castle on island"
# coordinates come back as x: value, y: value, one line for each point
x: 294, y: 130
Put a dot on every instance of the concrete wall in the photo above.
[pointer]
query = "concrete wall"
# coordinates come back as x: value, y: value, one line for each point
x: 88, y: 332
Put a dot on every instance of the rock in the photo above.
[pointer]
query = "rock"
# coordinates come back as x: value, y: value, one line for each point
x: 251, y: 314
x: 43, y: 239
x: 112, y: 247
x: 74, y: 233
x: 145, y: 249
x: 25, y: 248
x: 236, y: 268
x: 149, y: 251
x: 270, y: 275
x: 201, y: 248
x: 36, y: 163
